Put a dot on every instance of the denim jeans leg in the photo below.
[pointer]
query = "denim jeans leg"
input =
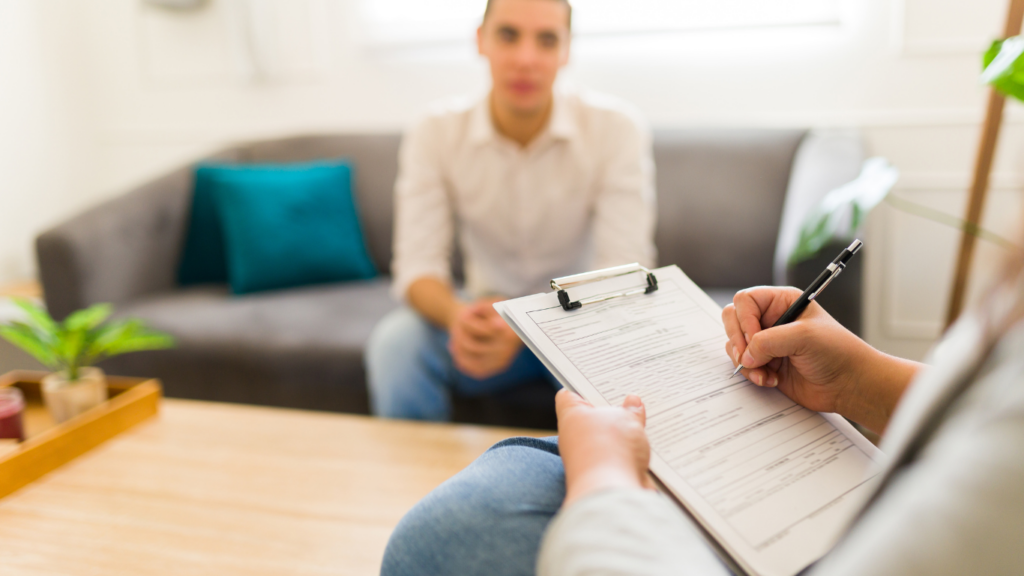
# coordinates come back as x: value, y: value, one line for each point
x: 487, y: 519
x: 409, y: 368
x: 411, y: 375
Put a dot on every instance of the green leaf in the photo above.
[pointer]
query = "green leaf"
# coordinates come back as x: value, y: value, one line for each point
x: 991, y: 53
x: 88, y: 319
x: 814, y: 236
x: 71, y: 347
x: 125, y: 336
x: 24, y: 337
x: 842, y: 211
x: 38, y: 316
x: 106, y: 336
x: 82, y: 338
x: 858, y: 216
x: 1003, y: 65
x: 149, y: 340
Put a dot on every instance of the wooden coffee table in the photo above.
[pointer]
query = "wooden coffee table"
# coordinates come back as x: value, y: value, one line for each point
x: 220, y: 489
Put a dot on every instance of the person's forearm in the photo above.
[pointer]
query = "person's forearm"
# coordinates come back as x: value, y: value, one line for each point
x: 624, y: 532
x: 599, y: 479
x: 872, y: 398
x: 435, y: 300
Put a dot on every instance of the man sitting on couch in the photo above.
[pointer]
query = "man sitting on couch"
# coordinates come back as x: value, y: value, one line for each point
x: 536, y: 183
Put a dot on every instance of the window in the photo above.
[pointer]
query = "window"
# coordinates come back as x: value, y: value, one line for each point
x: 416, y: 22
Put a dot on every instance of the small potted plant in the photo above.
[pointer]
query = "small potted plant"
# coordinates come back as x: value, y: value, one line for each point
x: 70, y: 349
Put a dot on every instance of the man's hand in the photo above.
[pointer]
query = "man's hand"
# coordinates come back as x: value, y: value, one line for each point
x: 481, y: 343
x: 602, y: 448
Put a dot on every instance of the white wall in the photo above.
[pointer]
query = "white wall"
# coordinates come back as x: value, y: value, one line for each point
x: 41, y: 132
x: 155, y: 88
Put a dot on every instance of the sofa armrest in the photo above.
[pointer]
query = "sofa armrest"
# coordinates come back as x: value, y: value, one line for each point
x: 826, y: 160
x: 119, y: 250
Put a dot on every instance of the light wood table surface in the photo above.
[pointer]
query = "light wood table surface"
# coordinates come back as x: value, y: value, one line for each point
x: 219, y: 489
x: 23, y: 289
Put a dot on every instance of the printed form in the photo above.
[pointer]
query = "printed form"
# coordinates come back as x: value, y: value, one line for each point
x: 773, y: 482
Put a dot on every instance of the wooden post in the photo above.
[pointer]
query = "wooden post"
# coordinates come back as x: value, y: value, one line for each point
x: 982, y: 169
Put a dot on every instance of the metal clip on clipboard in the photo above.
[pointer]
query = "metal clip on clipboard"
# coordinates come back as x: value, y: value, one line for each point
x: 565, y: 282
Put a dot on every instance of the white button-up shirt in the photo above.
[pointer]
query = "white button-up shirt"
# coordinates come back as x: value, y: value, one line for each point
x: 579, y: 197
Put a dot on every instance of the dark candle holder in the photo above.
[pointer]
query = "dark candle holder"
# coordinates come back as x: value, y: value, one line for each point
x: 12, y: 406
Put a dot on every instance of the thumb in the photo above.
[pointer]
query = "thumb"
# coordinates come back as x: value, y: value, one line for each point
x: 635, y: 405
x: 775, y: 342
x: 567, y: 400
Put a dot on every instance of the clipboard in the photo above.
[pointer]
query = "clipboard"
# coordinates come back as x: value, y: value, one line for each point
x: 562, y: 284
x: 771, y: 483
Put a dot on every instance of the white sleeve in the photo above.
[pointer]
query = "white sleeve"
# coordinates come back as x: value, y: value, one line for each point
x: 625, y: 212
x: 958, y: 509
x: 625, y: 532
x: 423, y: 213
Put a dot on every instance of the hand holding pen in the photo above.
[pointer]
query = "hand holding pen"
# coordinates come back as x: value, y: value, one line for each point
x: 816, y: 362
x: 800, y: 304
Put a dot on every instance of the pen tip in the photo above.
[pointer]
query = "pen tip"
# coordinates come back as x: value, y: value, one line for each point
x: 737, y: 370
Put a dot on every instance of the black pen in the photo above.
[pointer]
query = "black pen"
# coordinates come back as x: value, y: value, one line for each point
x: 824, y: 279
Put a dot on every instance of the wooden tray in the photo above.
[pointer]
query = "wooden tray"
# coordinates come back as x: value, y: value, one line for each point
x: 48, y: 445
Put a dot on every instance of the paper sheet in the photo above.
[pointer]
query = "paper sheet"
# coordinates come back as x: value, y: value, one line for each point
x: 773, y: 482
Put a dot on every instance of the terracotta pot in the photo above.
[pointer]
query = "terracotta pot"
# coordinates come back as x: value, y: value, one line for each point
x: 65, y: 399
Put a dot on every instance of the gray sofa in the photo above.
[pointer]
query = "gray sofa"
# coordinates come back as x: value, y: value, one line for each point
x: 726, y: 200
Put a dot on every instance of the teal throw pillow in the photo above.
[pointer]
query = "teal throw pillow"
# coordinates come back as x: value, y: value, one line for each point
x: 203, y: 259
x: 289, y: 225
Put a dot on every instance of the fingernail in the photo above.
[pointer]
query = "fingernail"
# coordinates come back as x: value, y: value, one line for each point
x: 774, y: 382
x: 748, y: 360
x: 732, y: 353
x: 746, y: 337
x: 759, y: 379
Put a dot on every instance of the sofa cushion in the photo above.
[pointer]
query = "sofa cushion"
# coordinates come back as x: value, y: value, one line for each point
x: 289, y: 225
x: 722, y: 296
x: 720, y: 196
x: 299, y: 348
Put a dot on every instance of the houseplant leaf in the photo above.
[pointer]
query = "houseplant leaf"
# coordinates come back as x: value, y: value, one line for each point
x: 88, y: 318
x: 24, y: 337
x: 82, y: 339
x: 37, y: 316
x: 816, y: 232
x: 72, y: 343
x: 104, y: 337
x: 77, y: 342
x: 147, y: 340
x: 124, y: 336
x: 841, y: 212
x: 1004, y: 66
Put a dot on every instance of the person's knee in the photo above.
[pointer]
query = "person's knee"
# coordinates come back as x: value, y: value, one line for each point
x: 398, y: 364
x: 396, y: 334
x: 488, y: 519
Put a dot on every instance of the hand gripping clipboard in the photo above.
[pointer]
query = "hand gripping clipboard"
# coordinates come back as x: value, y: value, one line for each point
x: 564, y: 283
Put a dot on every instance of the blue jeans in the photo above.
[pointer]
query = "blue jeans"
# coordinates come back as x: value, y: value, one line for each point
x: 487, y: 519
x: 490, y: 518
x: 411, y: 374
